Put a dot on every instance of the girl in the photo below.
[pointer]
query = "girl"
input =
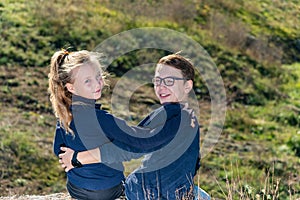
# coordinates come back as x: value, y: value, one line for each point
x: 80, y: 74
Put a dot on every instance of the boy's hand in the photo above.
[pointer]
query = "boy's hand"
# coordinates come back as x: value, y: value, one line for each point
x: 65, y: 158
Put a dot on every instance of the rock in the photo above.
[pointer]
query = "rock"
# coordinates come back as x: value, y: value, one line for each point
x: 57, y: 196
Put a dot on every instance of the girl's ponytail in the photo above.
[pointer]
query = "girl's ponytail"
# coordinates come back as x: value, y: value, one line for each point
x: 60, y: 97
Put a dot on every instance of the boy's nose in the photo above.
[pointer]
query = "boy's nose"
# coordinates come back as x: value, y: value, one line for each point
x: 161, y: 86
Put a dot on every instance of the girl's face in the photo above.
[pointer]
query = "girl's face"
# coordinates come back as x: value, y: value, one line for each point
x: 88, y: 82
x: 177, y: 92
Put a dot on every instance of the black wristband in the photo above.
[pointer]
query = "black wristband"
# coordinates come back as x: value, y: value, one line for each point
x: 74, y: 160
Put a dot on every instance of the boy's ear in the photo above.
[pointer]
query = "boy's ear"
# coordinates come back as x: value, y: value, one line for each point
x: 188, y: 86
x: 70, y: 88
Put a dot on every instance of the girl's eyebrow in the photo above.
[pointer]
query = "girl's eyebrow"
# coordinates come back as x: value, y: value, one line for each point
x: 87, y: 77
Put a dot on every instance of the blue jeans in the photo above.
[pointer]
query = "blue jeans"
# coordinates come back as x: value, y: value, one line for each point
x: 200, y: 194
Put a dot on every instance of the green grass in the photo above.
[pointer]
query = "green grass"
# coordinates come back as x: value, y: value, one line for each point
x: 254, y: 44
x: 258, y: 154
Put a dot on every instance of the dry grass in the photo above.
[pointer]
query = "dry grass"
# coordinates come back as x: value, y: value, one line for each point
x: 236, y: 188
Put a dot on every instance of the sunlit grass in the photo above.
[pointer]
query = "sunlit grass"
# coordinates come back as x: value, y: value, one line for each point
x: 263, y: 133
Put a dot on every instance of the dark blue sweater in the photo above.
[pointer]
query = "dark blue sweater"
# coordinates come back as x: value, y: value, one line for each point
x: 92, y: 176
x: 94, y: 127
x: 167, y: 172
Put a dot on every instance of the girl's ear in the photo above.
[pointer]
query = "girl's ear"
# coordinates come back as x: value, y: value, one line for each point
x: 70, y: 88
x: 188, y: 86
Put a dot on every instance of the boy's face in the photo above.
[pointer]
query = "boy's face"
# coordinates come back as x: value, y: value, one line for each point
x: 88, y: 82
x: 175, y: 93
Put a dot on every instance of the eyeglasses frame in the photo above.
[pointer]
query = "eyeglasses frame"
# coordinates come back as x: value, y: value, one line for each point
x: 163, y: 80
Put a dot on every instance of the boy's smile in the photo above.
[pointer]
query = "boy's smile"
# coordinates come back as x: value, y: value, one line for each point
x: 174, y: 93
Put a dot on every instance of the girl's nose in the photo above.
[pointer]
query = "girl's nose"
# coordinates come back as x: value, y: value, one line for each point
x: 101, y: 82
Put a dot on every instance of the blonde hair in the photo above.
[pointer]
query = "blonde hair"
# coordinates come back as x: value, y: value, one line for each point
x: 61, y: 72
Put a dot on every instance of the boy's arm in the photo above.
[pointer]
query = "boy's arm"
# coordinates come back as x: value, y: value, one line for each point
x: 84, y: 157
x: 112, y: 154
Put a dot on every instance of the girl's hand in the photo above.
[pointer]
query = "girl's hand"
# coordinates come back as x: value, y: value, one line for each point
x: 65, y: 158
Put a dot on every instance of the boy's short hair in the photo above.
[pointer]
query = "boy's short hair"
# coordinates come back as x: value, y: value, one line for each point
x: 179, y: 62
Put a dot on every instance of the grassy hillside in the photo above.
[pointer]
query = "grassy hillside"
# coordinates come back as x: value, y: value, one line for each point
x: 255, y: 45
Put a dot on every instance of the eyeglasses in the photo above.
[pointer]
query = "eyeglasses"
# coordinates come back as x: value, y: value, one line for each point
x: 168, y: 81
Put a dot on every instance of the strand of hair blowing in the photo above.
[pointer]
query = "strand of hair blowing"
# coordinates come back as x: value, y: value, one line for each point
x: 60, y: 97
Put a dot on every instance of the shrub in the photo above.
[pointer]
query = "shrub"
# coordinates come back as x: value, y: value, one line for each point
x: 294, y: 143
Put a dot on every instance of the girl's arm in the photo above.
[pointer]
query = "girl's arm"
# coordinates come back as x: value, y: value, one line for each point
x: 160, y: 129
x: 113, y: 153
x: 97, y: 128
x: 58, y: 140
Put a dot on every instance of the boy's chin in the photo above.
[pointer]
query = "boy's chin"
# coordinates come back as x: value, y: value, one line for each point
x: 168, y: 101
x: 163, y: 101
